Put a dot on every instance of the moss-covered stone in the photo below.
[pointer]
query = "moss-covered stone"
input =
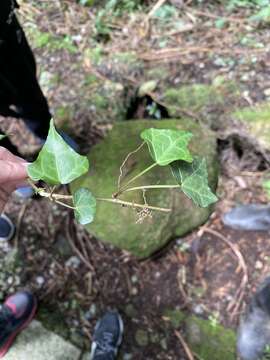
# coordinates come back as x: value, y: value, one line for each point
x: 257, y: 122
x: 210, y: 342
x: 118, y: 225
x: 196, y: 98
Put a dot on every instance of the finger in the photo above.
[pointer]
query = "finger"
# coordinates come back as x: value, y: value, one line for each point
x: 5, y: 154
x: 10, y: 171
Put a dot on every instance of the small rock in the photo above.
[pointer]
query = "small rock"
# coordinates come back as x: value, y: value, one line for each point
x: 40, y: 280
x: 73, y: 261
x: 134, y: 291
x: 163, y: 344
x: 130, y: 311
x: 198, y: 309
x: 258, y: 265
x: 267, y: 92
x: 141, y: 338
x: 134, y: 279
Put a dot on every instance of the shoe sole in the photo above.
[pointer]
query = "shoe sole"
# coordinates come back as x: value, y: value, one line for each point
x: 13, y: 336
x: 121, y: 326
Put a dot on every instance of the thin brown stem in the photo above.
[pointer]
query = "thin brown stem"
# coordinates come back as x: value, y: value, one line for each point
x: 134, y: 205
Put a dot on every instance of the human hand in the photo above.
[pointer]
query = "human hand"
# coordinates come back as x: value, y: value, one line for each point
x: 13, y: 173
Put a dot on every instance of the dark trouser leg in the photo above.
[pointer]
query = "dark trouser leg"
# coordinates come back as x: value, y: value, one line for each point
x: 18, y: 82
x: 8, y: 145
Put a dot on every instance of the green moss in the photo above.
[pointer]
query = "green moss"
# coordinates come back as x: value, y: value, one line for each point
x: 197, y: 97
x: 118, y: 225
x: 210, y: 342
x: 95, y: 55
x: 99, y: 101
x: 41, y: 39
x: 176, y: 317
x: 257, y: 120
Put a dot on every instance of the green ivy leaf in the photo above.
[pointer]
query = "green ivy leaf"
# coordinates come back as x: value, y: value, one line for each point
x: 85, y: 206
x: 166, y: 146
x: 57, y: 162
x: 193, y: 179
x: 2, y: 137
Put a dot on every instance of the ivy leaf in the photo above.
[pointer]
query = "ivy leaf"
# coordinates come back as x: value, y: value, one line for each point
x: 166, y: 146
x: 2, y: 136
x: 57, y: 162
x: 193, y: 179
x: 85, y: 206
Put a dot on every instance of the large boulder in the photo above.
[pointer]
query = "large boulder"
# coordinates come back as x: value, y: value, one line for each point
x: 118, y: 225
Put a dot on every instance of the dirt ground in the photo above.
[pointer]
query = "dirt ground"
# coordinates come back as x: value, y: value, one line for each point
x: 210, y: 272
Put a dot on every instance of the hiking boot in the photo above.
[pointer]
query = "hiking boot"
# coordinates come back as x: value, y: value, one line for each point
x: 107, y: 337
x: 15, y: 315
x: 7, y: 229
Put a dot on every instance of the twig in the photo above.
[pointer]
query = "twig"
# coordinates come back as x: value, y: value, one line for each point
x: 154, y: 9
x: 235, y: 303
x: 74, y: 248
x: 185, y: 345
x: 213, y: 16
x: 134, y: 205
x: 19, y: 222
x: 175, y: 53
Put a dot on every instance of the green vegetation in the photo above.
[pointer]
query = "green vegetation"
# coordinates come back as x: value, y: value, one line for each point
x: 58, y: 163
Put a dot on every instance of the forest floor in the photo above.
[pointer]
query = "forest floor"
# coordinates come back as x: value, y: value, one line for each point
x: 210, y: 272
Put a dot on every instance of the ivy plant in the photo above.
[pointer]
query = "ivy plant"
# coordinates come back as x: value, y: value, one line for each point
x: 58, y: 163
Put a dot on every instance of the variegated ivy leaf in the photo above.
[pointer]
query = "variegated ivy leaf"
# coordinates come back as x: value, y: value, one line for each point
x: 85, y: 206
x: 57, y: 162
x: 193, y: 179
x: 166, y: 146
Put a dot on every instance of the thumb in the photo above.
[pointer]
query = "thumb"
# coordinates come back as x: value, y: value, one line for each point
x: 13, y: 171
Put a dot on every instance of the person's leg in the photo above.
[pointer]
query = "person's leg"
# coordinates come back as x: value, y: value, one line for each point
x: 18, y: 83
x: 15, y: 315
x: 107, y: 337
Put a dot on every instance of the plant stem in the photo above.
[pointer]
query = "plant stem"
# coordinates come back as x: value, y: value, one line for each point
x: 152, y: 187
x: 121, y: 190
x: 37, y: 190
x: 134, y: 205
x: 64, y: 204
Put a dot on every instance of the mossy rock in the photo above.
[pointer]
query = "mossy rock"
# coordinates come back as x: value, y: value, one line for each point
x: 207, y: 340
x: 198, y: 98
x: 210, y: 342
x: 257, y: 122
x: 118, y: 225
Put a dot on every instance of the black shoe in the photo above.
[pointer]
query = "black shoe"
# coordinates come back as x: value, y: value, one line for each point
x: 15, y: 315
x: 107, y: 337
x: 7, y: 229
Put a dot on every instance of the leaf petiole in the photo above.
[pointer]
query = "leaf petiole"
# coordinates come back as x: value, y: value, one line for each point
x: 121, y: 190
x: 64, y: 204
x: 152, y: 187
